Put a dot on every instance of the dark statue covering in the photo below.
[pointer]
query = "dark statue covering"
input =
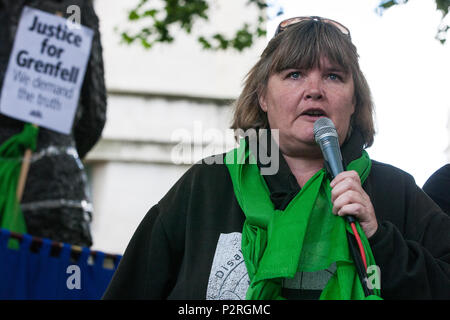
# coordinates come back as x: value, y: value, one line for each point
x: 56, y: 201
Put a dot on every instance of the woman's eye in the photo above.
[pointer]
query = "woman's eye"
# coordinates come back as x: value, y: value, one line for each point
x: 294, y: 75
x: 334, y: 76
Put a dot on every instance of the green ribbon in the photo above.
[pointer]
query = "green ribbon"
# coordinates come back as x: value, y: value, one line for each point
x: 11, y: 156
x: 306, y: 236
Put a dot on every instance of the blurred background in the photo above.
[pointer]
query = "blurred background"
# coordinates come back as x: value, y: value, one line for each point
x: 180, y: 91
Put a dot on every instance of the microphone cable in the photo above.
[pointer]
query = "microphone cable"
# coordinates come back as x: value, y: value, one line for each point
x: 359, y: 259
x: 360, y: 246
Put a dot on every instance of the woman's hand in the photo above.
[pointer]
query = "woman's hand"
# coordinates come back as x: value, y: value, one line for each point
x: 349, y: 198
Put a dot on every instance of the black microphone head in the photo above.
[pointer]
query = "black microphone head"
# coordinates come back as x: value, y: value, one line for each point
x: 324, y: 127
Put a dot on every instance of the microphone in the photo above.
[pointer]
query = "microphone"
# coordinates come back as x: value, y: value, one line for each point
x: 326, y: 137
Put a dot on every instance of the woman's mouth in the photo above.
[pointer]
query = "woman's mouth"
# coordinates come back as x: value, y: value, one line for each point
x: 313, y: 114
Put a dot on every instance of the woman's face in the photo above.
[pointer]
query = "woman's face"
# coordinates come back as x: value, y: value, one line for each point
x: 295, y: 99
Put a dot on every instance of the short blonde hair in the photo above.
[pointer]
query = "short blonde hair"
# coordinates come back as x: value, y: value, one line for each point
x: 302, y: 45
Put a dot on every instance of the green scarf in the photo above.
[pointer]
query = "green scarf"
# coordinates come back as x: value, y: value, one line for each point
x: 306, y: 236
x: 11, y: 155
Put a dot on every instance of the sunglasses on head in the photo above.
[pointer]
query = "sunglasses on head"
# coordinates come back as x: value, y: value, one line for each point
x: 288, y: 22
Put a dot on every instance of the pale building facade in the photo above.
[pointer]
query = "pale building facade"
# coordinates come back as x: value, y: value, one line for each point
x: 156, y: 98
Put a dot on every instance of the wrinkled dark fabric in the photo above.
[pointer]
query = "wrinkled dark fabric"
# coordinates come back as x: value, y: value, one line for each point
x: 59, y: 174
x: 437, y: 187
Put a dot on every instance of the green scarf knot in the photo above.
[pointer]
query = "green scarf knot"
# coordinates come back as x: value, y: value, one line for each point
x: 306, y: 236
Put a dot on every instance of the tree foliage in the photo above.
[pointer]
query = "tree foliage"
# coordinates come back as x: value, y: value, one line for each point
x: 441, y: 5
x: 161, y: 17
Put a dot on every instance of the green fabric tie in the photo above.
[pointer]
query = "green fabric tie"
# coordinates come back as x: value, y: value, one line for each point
x: 11, y: 155
x: 306, y: 236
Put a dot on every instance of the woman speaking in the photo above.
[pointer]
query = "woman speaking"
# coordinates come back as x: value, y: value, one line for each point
x: 227, y: 231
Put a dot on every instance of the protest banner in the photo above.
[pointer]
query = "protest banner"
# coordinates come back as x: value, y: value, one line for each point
x: 46, y: 70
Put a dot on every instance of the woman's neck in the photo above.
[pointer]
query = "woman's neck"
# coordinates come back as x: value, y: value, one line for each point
x: 303, y: 168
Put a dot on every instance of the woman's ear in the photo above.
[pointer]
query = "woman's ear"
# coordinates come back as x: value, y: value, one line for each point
x: 262, y: 100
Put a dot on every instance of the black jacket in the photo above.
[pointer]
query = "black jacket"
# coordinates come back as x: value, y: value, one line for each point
x: 174, y: 253
x: 438, y: 187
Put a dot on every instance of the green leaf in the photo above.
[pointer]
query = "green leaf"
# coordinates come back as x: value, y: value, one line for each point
x: 133, y: 15
x: 390, y: 3
x: 261, y: 32
x: 223, y: 43
x: 146, y: 44
x: 387, y: 4
x: 205, y: 43
x: 443, y: 6
x: 126, y: 38
x: 150, y: 13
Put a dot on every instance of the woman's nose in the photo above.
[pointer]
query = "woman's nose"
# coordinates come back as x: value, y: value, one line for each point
x: 314, y: 95
x: 313, y: 90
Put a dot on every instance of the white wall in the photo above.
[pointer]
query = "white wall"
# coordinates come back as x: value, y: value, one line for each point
x: 152, y: 96
x: 123, y: 193
x: 180, y: 68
